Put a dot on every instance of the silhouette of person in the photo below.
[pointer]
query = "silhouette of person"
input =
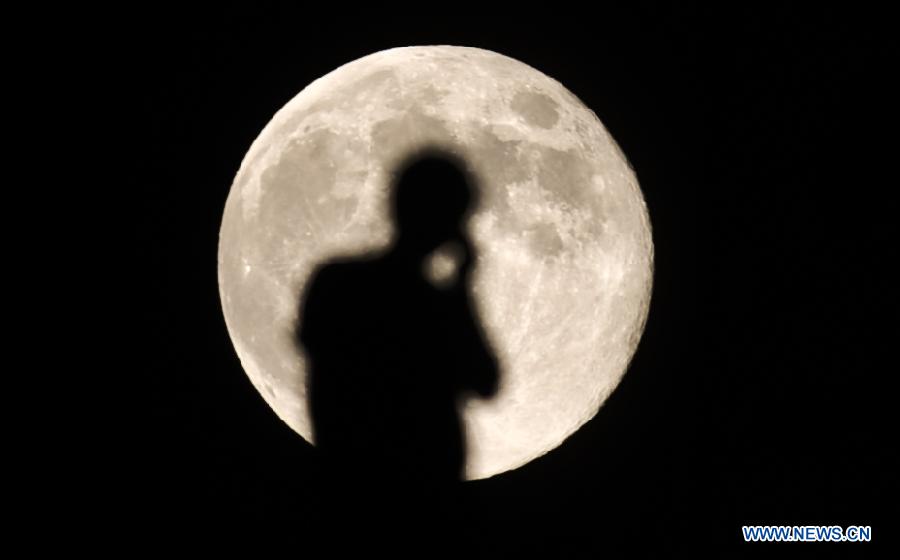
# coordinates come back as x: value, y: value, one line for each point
x: 390, y: 354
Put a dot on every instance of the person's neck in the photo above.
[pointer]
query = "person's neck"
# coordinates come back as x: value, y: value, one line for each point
x: 408, y: 254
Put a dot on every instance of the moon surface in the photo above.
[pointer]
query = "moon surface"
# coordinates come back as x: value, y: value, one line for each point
x: 563, y: 277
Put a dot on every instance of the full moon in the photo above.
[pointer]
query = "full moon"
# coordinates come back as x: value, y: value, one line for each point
x: 564, y: 268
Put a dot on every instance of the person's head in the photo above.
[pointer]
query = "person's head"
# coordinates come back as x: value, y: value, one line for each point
x: 431, y: 197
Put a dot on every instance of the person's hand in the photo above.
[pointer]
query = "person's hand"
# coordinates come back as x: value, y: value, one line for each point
x: 466, y: 256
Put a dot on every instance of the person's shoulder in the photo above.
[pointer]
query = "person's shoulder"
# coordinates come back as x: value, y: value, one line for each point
x: 326, y: 291
x: 342, y: 273
x: 339, y: 269
x: 325, y: 277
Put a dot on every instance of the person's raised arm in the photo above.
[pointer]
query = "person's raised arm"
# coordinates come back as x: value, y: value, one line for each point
x: 482, y: 371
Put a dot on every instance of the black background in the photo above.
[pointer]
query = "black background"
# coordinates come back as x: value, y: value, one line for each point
x: 761, y: 140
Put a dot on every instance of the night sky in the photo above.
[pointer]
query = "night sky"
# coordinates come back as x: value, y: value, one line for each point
x: 757, y: 394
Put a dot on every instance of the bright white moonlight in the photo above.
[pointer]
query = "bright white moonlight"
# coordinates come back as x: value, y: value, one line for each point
x: 563, y: 277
